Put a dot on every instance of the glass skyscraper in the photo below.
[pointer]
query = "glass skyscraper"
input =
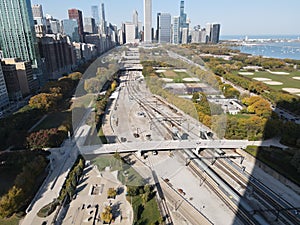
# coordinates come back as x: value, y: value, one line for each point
x: 95, y: 14
x: 164, y: 27
x: 17, y: 35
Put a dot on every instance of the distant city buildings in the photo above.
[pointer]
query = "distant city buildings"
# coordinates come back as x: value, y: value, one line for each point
x: 147, y: 21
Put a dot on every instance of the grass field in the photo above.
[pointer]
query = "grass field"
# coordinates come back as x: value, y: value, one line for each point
x: 54, y: 120
x: 132, y: 177
x: 14, y: 220
x: 176, y: 76
x: 144, y: 215
x: 287, y: 80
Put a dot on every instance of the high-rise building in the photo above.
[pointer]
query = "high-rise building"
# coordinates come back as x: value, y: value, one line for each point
x: 147, y: 21
x: 103, y: 24
x: 135, y: 18
x: 90, y: 25
x: 12, y: 82
x: 17, y: 30
x: 70, y: 28
x: 57, y: 52
x: 55, y: 26
x: 77, y: 15
x: 4, y: 100
x: 95, y: 14
x: 130, y: 33
x: 176, y: 30
x: 17, y: 34
x: 183, y: 16
x: 24, y: 73
x: 37, y: 11
x: 164, y: 27
x: 184, y: 35
x: 215, y: 33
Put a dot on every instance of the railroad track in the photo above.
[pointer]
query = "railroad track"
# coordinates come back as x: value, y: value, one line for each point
x: 267, y: 198
x: 243, y: 215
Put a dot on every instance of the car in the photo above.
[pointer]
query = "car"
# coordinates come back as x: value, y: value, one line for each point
x: 154, y: 152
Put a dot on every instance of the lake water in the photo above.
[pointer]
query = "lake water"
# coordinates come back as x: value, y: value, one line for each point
x: 285, y: 48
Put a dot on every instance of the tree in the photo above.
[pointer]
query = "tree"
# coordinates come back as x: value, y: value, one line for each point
x: 10, y: 202
x: 43, y: 101
x: 92, y: 85
x: 111, y: 193
x: 106, y: 215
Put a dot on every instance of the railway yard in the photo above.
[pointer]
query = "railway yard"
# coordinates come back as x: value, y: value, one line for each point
x: 213, y: 185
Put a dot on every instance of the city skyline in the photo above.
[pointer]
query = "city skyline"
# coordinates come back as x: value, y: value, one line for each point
x: 271, y: 18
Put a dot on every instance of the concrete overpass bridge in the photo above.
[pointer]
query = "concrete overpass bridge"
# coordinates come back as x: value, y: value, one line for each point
x: 167, y: 145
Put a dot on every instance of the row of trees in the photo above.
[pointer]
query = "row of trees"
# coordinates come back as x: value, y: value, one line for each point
x: 69, y: 187
x: 25, y: 184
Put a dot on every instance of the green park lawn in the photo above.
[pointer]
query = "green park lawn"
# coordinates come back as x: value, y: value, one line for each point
x: 132, y: 177
x: 147, y: 214
x: 287, y: 80
x: 176, y: 76
x: 54, y: 120
x: 14, y: 220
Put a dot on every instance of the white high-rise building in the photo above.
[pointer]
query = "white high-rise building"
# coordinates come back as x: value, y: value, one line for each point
x: 130, y: 35
x: 147, y: 21
x: 164, y: 27
x: 176, y: 30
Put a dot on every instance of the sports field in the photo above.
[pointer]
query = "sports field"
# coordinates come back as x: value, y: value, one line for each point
x: 278, y: 81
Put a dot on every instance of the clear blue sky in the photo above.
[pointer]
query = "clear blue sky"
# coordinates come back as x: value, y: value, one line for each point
x: 236, y: 16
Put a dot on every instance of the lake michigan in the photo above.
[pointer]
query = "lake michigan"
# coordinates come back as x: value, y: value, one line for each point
x: 280, y: 47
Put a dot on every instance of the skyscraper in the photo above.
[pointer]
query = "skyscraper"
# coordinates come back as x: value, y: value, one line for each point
x: 37, y: 11
x: 148, y: 21
x: 95, y: 14
x: 103, y: 24
x: 182, y: 15
x: 164, y: 27
x: 215, y: 33
x: 70, y: 28
x: 17, y: 35
x: 176, y: 30
x: 90, y: 25
x: 77, y: 15
x: 135, y: 18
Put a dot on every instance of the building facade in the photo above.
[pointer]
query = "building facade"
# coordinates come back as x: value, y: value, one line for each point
x: 147, y: 21
x: 70, y: 28
x: 90, y: 25
x: 130, y: 33
x: 164, y: 27
x: 95, y: 14
x: 17, y: 33
x: 4, y: 100
x: 176, y: 30
x: 57, y: 53
x: 24, y: 70
x: 76, y: 14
